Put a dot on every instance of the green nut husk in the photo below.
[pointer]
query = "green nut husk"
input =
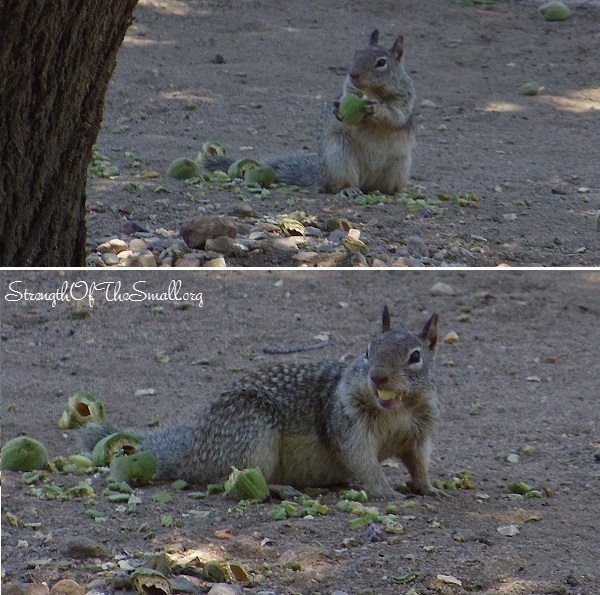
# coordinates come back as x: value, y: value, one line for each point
x: 24, y: 454
x: 212, y: 148
x: 263, y: 175
x: 239, y: 167
x: 114, y: 444
x: 555, y: 11
x: 530, y: 89
x: 183, y: 169
x: 149, y: 582
x: 82, y: 409
x: 135, y: 470
x: 221, y: 571
x: 247, y: 484
x: 351, y: 109
x: 520, y: 488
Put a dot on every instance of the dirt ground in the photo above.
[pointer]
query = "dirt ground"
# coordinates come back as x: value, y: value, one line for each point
x: 518, y: 391
x: 532, y: 162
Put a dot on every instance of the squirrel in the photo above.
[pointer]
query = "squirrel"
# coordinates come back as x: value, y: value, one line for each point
x: 373, y: 154
x: 315, y: 424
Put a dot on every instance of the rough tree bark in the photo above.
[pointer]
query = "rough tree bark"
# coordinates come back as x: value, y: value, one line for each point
x: 56, y: 60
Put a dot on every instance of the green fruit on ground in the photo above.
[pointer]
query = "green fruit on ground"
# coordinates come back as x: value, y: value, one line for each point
x: 114, y: 444
x: 555, y: 11
x: 238, y: 168
x: 247, y: 484
x: 263, y: 175
x: 135, y: 470
x: 530, y: 89
x: 82, y: 409
x: 24, y: 454
x: 183, y: 169
x: 351, y: 109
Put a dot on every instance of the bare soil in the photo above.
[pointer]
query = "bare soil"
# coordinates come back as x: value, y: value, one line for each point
x: 523, y: 373
x: 531, y: 161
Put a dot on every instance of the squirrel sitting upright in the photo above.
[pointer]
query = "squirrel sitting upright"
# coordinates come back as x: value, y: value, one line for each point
x: 373, y: 154
x: 314, y: 425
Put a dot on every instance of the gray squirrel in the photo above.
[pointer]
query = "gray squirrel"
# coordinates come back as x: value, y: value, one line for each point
x: 315, y: 424
x: 373, y: 154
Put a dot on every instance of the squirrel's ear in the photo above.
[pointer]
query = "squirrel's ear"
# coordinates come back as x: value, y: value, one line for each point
x: 398, y: 48
x: 385, y: 320
x: 374, y: 37
x: 429, y: 334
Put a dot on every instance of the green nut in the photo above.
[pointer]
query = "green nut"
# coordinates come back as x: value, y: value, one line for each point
x: 530, y: 89
x: 183, y: 169
x: 114, y: 444
x: 555, y: 11
x: 24, y: 454
x: 263, y: 175
x: 82, y: 409
x: 135, y: 470
x: 351, y: 109
x: 239, y: 167
x: 247, y: 484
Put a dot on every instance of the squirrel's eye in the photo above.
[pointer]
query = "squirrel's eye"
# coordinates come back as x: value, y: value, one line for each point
x: 381, y: 62
x: 367, y: 354
x: 414, y: 357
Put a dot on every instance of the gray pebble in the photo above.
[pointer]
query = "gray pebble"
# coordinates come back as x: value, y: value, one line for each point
x: 110, y: 259
x: 137, y: 245
x: 224, y: 589
x: 242, y: 210
x: 145, y: 259
x: 442, y: 289
x: 415, y: 246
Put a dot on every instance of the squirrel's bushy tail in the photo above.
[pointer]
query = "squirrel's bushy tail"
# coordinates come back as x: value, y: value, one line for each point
x: 295, y: 169
x: 169, y: 445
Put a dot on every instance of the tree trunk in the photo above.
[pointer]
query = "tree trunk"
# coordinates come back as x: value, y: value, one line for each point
x: 56, y: 59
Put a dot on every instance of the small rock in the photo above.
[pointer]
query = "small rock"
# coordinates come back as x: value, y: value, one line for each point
x: 83, y: 547
x: 400, y: 262
x: 339, y: 593
x: 114, y: 245
x: 415, y: 246
x: 224, y: 589
x: 336, y: 236
x: 67, y: 586
x: 216, y: 262
x: 137, y: 245
x: 312, y: 232
x: 284, y: 244
x: 305, y: 257
x: 223, y: 245
x: 188, y: 261
x: 442, y: 289
x: 243, y: 211
x: 196, y: 231
x: 145, y: 259
x: 428, y: 103
x: 377, y: 262
x: 110, y: 259
x: 125, y: 254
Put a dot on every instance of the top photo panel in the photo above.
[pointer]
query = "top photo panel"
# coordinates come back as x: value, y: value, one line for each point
x: 449, y: 133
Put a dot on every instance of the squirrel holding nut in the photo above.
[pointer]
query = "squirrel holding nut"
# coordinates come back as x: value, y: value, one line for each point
x: 366, y: 138
x: 315, y: 424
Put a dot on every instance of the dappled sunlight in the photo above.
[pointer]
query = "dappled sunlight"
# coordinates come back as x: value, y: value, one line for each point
x: 516, y: 586
x: 176, y: 7
x: 501, y: 106
x: 592, y: 277
x: 584, y: 100
x: 189, y: 97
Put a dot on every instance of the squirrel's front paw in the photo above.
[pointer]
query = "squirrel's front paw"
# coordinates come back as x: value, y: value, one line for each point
x: 370, y: 107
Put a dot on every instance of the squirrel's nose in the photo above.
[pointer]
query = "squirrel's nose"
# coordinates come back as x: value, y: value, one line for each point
x: 378, y: 378
x: 354, y: 74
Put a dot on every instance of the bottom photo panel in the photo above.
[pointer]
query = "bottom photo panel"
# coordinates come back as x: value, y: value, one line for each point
x: 300, y: 432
